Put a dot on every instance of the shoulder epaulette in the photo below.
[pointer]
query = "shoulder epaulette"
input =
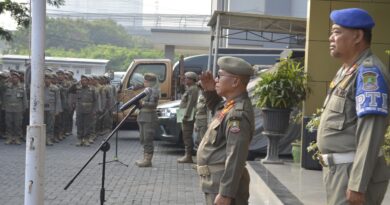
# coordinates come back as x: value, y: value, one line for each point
x: 368, y: 62
x: 237, y: 112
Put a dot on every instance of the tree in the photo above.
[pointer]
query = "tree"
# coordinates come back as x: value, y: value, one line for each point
x: 72, y: 34
x: 120, y: 57
x: 20, y: 13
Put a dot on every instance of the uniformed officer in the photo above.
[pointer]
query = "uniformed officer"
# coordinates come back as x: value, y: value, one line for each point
x: 71, y: 103
x: 52, y: 107
x: 111, y: 105
x: 86, y: 107
x: 223, y: 151
x: 187, y: 104
x: 355, y: 116
x: 200, y: 125
x: 15, y: 103
x: 147, y: 119
x: 3, y: 80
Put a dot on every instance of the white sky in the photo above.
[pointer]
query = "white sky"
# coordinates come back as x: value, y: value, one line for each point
x: 5, y: 20
x: 177, y: 6
x: 149, y: 6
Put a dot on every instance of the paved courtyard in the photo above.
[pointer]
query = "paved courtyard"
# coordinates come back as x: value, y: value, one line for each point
x: 166, y: 183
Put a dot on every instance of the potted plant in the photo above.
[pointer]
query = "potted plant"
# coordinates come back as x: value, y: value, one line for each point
x: 310, y: 152
x: 278, y: 91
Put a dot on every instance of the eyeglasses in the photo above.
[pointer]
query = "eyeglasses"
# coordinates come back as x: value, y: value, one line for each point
x: 227, y: 75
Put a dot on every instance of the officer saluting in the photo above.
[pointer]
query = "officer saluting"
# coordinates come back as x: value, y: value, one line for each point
x: 223, y: 150
x: 355, y: 117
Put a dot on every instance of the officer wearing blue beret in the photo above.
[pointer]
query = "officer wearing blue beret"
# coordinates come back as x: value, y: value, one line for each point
x: 355, y: 116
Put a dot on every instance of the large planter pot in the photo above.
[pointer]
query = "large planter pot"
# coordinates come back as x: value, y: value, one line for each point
x: 307, y: 158
x: 276, y: 120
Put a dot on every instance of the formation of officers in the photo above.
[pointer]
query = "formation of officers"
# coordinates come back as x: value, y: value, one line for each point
x: 92, y: 98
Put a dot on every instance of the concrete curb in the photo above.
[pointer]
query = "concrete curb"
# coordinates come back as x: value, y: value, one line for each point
x: 260, y: 193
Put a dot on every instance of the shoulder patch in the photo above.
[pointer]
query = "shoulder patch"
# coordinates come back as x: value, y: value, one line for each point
x: 371, y: 90
x: 234, y: 126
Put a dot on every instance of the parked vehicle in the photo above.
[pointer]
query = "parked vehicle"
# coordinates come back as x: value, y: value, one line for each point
x: 132, y: 83
x: 168, y: 76
x: 170, y: 130
x: 117, y: 77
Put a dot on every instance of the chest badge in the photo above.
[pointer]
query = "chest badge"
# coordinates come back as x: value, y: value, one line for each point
x: 370, y: 81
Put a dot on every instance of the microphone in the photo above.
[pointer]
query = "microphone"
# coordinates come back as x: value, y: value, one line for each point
x: 135, y: 99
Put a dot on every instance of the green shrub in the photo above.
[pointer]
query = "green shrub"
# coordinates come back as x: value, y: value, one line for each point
x: 386, y: 146
x: 283, y: 87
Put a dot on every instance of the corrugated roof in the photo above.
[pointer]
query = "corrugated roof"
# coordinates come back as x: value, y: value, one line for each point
x: 259, y: 22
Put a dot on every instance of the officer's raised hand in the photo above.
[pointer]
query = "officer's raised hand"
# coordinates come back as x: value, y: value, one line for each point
x: 207, y: 81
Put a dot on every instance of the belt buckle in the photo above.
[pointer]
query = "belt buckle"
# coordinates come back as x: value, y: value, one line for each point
x: 321, y: 160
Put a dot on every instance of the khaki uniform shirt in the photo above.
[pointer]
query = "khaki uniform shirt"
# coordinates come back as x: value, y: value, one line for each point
x: 341, y: 130
x: 148, y: 111
x: 52, y: 99
x: 87, y: 100
x: 201, y: 111
x: 14, y: 98
x: 226, y: 143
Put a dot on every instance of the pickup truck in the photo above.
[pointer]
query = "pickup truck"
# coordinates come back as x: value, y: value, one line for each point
x: 132, y: 83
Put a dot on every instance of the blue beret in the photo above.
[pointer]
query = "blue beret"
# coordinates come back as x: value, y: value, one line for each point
x: 352, y: 18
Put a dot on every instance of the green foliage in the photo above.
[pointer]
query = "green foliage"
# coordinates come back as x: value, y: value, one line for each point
x: 71, y: 34
x: 56, y: 3
x: 314, y: 121
x: 100, y: 39
x: 284, y: 88
x: 120, y: 57
x: 20, y: 14
x: 386, y: 146
x: 313, y: 148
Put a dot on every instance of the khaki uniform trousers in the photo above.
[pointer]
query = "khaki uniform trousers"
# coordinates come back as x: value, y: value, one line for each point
x: 147, y: 131
x: 336, y: 179
x: 187, y: 130
x: 242, y: 196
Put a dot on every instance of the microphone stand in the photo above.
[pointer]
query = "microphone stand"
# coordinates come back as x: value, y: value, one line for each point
x: 104, y: 147
x: 116, y: 140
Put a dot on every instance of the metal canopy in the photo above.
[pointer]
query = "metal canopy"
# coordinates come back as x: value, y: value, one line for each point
x: 258, y: 22
x: 264, y: 27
